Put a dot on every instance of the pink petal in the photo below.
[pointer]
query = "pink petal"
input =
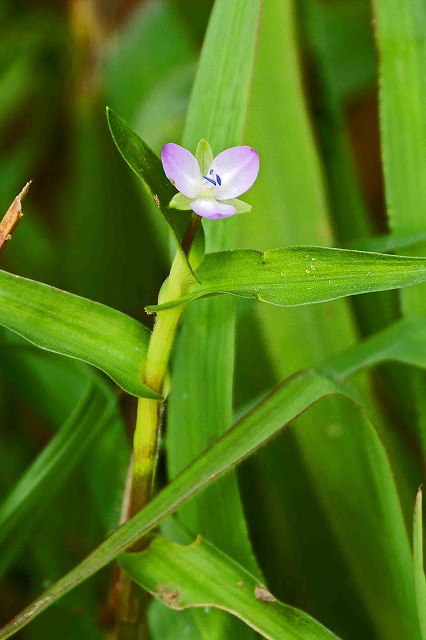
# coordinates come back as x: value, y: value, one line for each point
x: 182, y: 169
x: 212, y: 209
x: 237, y: 169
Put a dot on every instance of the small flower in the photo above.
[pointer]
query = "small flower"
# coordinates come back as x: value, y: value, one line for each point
x: 209, y: 186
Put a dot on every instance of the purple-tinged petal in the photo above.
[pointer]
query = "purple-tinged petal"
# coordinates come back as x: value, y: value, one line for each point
x: 182, y: 169
x: 212, y: 209
x: 234, y: 171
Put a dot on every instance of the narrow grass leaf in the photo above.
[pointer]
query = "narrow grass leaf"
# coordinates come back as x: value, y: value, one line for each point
x: 76, y: 327
x: 200, y: 575
x: 28, y: 502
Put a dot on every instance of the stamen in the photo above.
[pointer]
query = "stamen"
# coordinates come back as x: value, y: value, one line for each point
x: 210, y: 180
x: 219, y: 181
x: 211, y: 172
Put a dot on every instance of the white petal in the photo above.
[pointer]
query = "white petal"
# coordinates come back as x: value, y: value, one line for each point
x: 212, y: 209
x: 182, y: 169
x: 235, y: 169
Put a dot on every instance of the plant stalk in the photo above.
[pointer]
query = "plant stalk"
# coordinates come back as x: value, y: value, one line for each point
x: 131, y: 608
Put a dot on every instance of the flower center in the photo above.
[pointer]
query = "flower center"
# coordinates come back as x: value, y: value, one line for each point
x: 211, y: 178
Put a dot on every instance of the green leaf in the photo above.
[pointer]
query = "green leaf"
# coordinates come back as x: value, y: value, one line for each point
x: 401, y: 40
x: 147, y: 166
x: 388, y: 243
x: 257, y: 427
x: 165, y: 624
x: 204, y: 155
x: 291, y: 196
x: 31, y: 498
x: 76, y: 327
x: 199, y: 575
x: 419, y: 574
x: 401, y: 43
x: 300, y: 275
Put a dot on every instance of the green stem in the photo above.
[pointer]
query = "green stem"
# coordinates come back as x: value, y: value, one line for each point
x: 131, y: 608
x: 148, y: 421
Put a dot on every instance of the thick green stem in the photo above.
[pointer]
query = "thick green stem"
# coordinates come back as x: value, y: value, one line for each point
x: 148, y: 421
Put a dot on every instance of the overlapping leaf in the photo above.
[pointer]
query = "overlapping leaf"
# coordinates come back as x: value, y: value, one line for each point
x: 76, y: 327
x: 280, y: 407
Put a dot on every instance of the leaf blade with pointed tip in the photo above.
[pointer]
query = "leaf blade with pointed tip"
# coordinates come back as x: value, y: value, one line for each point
x: 300, y: 275
x: 147, y: 166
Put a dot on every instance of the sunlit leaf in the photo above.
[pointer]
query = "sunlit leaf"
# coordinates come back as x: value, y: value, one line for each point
x: 76, y: 327
x: 300, y: 275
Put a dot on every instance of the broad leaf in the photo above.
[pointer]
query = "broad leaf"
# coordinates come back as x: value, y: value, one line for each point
x: 199, y: 575
x: 300, y: 275
x: 76, y: 327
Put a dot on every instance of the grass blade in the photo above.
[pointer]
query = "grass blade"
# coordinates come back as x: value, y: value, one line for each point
x: 28, y: 502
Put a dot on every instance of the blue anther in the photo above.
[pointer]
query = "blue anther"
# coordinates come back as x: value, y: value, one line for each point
x: 211, y: 172
x: 210, y: 180
x: 219, y: 181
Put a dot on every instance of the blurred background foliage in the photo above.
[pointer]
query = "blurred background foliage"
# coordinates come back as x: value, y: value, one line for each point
x: 90, y: 229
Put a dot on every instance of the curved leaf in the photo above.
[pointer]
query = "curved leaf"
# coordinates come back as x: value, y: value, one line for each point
x: 199, y: 575
x: 79, y: 328
x: 300, y: 275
